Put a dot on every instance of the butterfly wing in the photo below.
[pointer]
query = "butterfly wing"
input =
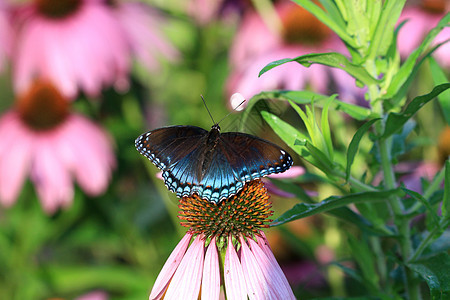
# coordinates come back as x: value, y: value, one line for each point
x: 239, y: 158
x: 174, y: 150
x: 167, y: 146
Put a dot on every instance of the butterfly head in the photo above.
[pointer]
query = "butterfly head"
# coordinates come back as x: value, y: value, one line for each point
x: 215, y: 127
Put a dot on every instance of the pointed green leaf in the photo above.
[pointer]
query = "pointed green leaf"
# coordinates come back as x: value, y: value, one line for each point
x: 332, y: 59
x: 304, y: 97
x: 402, y: 92
x: 435, y: 271
x: 405, y: 70
x: 343, y: 213
x: 286, y: 132
x: 326, y: 127
x: 418, y: 197
x: 439, y: 77
x: 384, y: 31
x: 354, y: 145
x: 363, y: 256
x: 303, y: 210
x: 355, y: 111
x: 326, y: 165
x: 396, y: 120
x: 327, y: 20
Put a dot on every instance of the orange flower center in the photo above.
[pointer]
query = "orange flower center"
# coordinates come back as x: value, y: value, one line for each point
x: 245, y: 213
x: 301, y: 27
x: 434, y: 6
x: 42, y: 106
x: 57, y: 8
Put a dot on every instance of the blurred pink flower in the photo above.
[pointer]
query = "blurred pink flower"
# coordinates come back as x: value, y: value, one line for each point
x: 193, y: 272
x: 40, y: 137
x: 142, y: 27
x: 5, y: 34
x: 94, y: 295
x: 411, y: 173
x: 83, y: 44
x: 255, y: 45
x: 420, y: 20
x: 415, y: 172
x: 205, y: 11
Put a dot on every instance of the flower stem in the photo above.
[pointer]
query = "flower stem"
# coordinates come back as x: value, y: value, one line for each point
x: 401, y: 223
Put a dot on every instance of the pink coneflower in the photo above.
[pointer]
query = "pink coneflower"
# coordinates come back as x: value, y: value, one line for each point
x: 42, y: 138
x: 84, y: 45
x: 421, y: 19
x: 229, y: 255
x: 256, y: 45
x: 142, y: 25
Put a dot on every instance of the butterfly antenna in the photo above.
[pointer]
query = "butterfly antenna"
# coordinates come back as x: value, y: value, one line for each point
x: 204, y: 102
x: 234, y: 95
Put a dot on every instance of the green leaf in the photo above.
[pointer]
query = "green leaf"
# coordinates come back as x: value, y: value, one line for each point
x: 286, y: 132
x: 303, y: 210
x: 301, y: 97
x: 363, y: 256
x: 332, y: 59
x: 354, y: 145
x: 304, y: 97
x: 435, y: 271
x: 358, y: 22
x: 446, y: 201
x: 320, y: 159
x: 325, y: 126
x: 374, y: 9
x: 327, y: 20
x: 418, y: 197
x: 355, y: 111
x: 401, y: 93
x: 396, y: 120
x: 439, y: 77
x: 343, y: 213
x: 333, y: 12
x: 405, y: 70
x: 384, y: 32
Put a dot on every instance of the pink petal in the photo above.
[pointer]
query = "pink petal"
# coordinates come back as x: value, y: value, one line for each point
x: 15, y: 157
x: 170, y: 267
x: 264, y: 245
x: 88, y: 154
x: 211, y: 273
x: 272, y: 272
x: 234, y: 275
x: 49, y: 175
x: 186, y: 281
x: 142, y: 26
x: 256, y: 282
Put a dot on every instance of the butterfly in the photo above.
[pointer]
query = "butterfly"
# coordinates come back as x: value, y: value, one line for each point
x: 213, y: 165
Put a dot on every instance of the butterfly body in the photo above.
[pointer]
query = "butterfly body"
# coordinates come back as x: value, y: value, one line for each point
x: 212, y: 164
